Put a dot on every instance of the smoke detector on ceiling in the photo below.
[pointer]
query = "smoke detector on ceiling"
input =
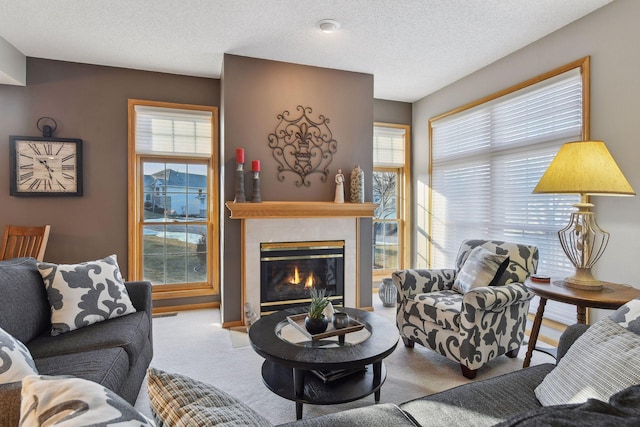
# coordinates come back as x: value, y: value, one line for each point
x: 328, y: 25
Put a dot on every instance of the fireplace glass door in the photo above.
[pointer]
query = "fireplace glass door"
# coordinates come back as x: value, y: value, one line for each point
x: 288, y: 270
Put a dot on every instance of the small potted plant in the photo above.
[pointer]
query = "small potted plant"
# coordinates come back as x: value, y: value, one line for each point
x: 316, y: 322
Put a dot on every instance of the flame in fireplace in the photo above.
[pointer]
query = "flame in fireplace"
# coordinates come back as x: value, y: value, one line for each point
x: 295, y: 279
x: 296, y: 276
x: 308, y: 284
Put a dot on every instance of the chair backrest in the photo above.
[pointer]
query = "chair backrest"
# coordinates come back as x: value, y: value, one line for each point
x: 523, y: 259
x: 24, y: 242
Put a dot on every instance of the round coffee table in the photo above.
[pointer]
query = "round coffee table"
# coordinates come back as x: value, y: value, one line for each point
x: 290, y: 361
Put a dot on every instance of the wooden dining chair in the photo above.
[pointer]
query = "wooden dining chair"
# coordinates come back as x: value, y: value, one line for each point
x: 24, y: 242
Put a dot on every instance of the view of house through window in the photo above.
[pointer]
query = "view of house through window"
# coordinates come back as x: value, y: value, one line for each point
x: 174, y: 240
x: 389, y: 184
x: 174, y: 230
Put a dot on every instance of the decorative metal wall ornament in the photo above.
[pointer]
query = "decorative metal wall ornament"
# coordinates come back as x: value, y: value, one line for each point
x: 302, y: 145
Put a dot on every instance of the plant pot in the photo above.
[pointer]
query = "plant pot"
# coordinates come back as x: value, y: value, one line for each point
x: 316, y: 326
x: 388, y: 293
x: 340, y: 320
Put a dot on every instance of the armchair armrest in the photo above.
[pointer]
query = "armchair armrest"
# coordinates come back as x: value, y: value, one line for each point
x: 494, y: 298
x: 412, y: 282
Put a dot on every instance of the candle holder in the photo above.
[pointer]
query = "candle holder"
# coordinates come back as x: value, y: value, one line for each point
x: 256, y: 198
x: 240, y: 197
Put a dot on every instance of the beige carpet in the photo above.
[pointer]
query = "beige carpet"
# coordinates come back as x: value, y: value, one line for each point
x: 193, y: 343
x: 239, y: 337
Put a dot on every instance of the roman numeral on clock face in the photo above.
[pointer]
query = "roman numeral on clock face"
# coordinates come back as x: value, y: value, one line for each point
x: 35, y: 184
x: 26, y: 176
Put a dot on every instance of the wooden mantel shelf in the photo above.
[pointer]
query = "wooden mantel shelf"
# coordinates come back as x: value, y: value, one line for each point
x: 299, y: 210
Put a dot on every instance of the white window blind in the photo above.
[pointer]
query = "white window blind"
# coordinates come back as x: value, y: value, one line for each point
x: 169, y: 131
x: 388, y: 146
x: 486, y: 161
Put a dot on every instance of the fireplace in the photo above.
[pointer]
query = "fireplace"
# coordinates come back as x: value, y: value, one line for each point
x: 288, y: 270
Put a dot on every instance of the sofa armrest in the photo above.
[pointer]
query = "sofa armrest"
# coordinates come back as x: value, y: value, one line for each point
x: 495, y: 298
x: 568, y: 337
x: 412, y: 282
x: 140, y: 295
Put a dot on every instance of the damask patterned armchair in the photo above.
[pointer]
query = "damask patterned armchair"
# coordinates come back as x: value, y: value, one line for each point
x: 474, y: 327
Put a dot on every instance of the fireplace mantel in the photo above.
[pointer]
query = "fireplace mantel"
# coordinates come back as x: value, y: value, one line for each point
x: 297, y: 222
x: 299, y: 210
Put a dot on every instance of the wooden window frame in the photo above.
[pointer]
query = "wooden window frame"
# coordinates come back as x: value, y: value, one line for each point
x: 136, y: 205
x: 404, y: 202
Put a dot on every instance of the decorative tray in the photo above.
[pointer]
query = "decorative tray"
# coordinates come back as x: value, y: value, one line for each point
x: 297, y: 321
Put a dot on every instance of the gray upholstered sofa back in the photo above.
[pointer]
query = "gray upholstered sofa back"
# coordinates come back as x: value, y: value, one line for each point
x: 24, y: 307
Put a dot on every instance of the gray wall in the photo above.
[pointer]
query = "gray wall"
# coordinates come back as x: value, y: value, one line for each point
x: 255, y: 91
x: 395, y: 112
x: 88, y: 102
x: 610, y: 36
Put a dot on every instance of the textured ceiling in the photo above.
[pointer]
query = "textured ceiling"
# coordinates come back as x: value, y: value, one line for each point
x: 412, y: 47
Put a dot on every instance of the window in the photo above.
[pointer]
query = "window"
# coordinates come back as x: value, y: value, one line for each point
x: 389, y: 184
x: 172, y: 199
x: 487, y: 158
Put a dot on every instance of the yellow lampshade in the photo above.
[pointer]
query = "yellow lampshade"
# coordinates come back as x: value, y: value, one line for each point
x: 584, y: 167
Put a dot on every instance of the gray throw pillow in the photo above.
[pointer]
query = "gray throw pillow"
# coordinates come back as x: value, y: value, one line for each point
x: 602, y: 362
x: 177, y: 400
x: 83, y: 294
x: 15, y: 360
x: 481, y: 268
x: 71, y: 402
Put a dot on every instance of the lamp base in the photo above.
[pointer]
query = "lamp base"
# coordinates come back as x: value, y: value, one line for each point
x: 583, y: 279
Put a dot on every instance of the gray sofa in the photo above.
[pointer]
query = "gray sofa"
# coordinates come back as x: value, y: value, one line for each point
x: 480, y: 403
x: 506, y: 400
x: 114, y: 353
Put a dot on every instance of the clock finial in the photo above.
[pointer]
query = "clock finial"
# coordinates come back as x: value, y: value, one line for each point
x: 46, y: 129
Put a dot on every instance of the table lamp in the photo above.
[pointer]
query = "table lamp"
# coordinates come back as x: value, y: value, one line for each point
x: 585, y: 168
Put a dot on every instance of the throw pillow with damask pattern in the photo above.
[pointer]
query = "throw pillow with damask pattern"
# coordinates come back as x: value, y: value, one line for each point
x: 68, y: 401
x: 83, y: 294
x: 15, y: 360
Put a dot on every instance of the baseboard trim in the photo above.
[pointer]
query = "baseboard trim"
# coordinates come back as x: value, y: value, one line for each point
x: 234, y: 324
x: 184, y: 307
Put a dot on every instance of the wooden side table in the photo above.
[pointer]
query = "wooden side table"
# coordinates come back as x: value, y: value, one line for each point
x: 610, y: 297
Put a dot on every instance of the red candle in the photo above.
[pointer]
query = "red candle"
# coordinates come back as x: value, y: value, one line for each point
x: 239, y: 155
x: 255, y: 165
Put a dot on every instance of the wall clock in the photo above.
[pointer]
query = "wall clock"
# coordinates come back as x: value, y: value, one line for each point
x: 42, y: 166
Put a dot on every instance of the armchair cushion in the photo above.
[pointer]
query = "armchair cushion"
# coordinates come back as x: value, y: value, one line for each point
x: 481, y: 268
x: 442, y: 308
x: 606, y: 350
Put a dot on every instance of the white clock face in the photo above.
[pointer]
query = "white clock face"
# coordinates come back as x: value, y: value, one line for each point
x: 46, y: 166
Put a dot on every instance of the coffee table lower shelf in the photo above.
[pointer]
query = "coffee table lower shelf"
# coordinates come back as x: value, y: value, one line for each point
x: 282, y: 381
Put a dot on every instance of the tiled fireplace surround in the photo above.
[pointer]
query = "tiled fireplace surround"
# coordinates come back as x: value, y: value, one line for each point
x: 297, y: 222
